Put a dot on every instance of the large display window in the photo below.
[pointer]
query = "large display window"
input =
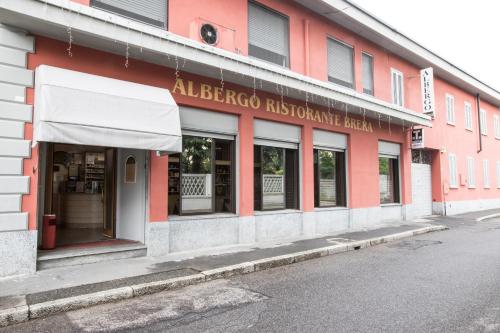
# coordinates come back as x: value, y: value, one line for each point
x: 389, y: 175
x: 201, y: 177
x: 329, y: 178
x: 275, y: 178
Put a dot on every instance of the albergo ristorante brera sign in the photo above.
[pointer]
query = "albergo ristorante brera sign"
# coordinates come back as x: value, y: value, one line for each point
x: 242, y: 99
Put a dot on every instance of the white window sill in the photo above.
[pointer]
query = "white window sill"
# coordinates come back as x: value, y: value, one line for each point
x: 396, y: 204
x: 326, y: 209
x: 451, y: 124
x: 469, y: 129
x: 201, y: 217
x: 471, y: 187
x: 454, y: 187
x: 274, y: 212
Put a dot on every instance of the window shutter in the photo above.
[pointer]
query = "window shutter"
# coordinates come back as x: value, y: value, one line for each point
x: 471, y: 175
x: 468, y: 116
x: 153, y: 12
x: 340, y: 63
x: 450, y: 109
x: 486, y: 173
x: 367, y: 74
x: 397, y: 87
x: 498, y: 174
x: 496, y: 124
x: 483, y: 123
x: 453, y: 170
x: 267, y: 35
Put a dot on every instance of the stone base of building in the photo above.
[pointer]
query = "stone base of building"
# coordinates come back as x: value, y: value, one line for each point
x: 464, y: 206
x: 18, y: 251
x: 190, y: 233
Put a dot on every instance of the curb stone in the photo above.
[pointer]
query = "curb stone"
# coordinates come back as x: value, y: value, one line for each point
x: 227, y: 271
x: 77, y: 302
x: 14, y: 315
x: 24, y: 313
x: 482, y: 218
x: 164, y: 285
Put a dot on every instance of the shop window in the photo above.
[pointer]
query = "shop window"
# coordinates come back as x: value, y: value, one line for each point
x: 130, y: 170
x: 275, y: 178
x: 329, y: 178
x: 340, y: 63
x: 152, y: 12
x: 389, y: 179
x: 201, y: 178
x: 267, y: 35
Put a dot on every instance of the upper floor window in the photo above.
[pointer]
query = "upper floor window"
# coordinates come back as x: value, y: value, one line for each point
x: 367, y: 73
x: 152, y: 12
x: 340, y: 63
x: 452, y: 165
x: 450, y: 109
x: 468, y: 116
x: 267, y: 35
x: 471, y: 172
x: 397, y: 85
x: 496, y: 125
x: 483, y: 122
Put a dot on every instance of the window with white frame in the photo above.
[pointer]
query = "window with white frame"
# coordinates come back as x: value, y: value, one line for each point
x: 452, y: 163
x: 468, y: 116
x: 486, y: 174
x: 450, y: 109
x: 498, y: 174
x: 471, y: 172
x: 367, y: 62
x: 496, y: 125
x: 397, y: 87
x: 483, y: 122
x: 268, y: 36
x: 340, y: 63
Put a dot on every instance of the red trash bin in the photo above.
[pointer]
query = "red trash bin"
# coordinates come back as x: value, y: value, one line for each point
x: 49, y: 232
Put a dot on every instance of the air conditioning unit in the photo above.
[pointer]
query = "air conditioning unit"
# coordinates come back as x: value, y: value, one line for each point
x: 213, y: 34
x: 209, y: 34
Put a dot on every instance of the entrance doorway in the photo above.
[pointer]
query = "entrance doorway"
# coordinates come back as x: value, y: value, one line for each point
x: 80, y: 189
x: 421, y: 183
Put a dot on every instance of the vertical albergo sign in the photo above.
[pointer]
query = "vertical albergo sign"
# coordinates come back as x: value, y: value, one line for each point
x: 427, y: 84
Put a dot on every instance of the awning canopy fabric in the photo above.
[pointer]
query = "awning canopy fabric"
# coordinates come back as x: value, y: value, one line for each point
x: 79, y: 108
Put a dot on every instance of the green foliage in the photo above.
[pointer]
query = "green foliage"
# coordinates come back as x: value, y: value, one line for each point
x: 272, y: 161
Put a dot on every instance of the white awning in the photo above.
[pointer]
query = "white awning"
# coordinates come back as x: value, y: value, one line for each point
x: 79, y: 108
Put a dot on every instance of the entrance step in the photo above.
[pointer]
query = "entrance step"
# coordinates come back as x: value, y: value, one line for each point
x: 81, y: 255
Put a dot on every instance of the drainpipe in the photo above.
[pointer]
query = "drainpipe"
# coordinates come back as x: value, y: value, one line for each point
x: 478, y: 101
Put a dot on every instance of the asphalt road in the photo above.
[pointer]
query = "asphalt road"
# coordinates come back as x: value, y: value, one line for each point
x: 441, y: 282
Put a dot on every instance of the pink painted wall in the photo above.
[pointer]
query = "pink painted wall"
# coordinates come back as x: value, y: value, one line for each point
x: 363, y: 153
x: 308, y: 55
x: 457, y: 140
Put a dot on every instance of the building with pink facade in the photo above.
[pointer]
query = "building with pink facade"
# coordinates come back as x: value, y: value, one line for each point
x: 157, y: 127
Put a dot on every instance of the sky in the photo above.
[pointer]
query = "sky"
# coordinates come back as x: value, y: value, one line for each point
x: 465, y: 33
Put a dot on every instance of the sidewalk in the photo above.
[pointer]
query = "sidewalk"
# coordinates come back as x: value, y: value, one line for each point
x: 71, y: 287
